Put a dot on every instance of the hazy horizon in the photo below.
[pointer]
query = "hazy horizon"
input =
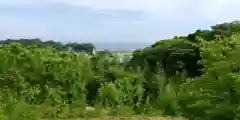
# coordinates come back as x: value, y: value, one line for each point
x: 121, y: 46
x: 108, y: 45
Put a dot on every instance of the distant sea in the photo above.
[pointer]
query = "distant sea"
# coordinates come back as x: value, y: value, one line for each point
x: 120, y: 46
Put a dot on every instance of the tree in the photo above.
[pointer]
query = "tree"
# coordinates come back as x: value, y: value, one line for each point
x: 85, y: 47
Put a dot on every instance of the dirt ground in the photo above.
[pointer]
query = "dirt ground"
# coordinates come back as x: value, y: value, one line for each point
x: 137, y: 118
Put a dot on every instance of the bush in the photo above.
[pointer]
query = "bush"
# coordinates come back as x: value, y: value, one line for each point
x: 198, y: 79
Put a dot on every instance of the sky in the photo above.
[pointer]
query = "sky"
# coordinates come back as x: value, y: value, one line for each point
x: 142, y: 21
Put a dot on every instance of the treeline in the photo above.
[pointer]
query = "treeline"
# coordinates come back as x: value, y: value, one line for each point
x: 194, y: 77
x: 180, y: 54
x: 75, y: 47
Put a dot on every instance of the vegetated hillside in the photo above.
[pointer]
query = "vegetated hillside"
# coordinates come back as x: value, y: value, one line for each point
x: 85, y: 47
x: 194, y: 76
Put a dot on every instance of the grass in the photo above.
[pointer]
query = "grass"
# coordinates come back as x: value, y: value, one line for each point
x: 22, y: 111
x: 129, y: 118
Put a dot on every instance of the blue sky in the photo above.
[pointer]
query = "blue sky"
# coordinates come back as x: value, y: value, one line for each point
x: 111, y: 20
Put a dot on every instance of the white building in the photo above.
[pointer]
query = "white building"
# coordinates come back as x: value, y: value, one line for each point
x: 94, y: 51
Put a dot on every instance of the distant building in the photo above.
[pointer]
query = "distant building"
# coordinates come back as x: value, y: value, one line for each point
x: 94, y: 51
x: 123, y: 57
x: 70, y: 49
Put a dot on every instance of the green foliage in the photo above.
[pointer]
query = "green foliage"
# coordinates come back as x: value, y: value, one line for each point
x: 195, y: 76
x: 177, y: 55
x: 45, y: 76
x: 216, y: 95
x: 85, y: 47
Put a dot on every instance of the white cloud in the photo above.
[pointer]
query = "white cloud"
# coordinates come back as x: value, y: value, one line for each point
x: 156, y: 7
x: 219, y: 10
x: 210, y: 10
